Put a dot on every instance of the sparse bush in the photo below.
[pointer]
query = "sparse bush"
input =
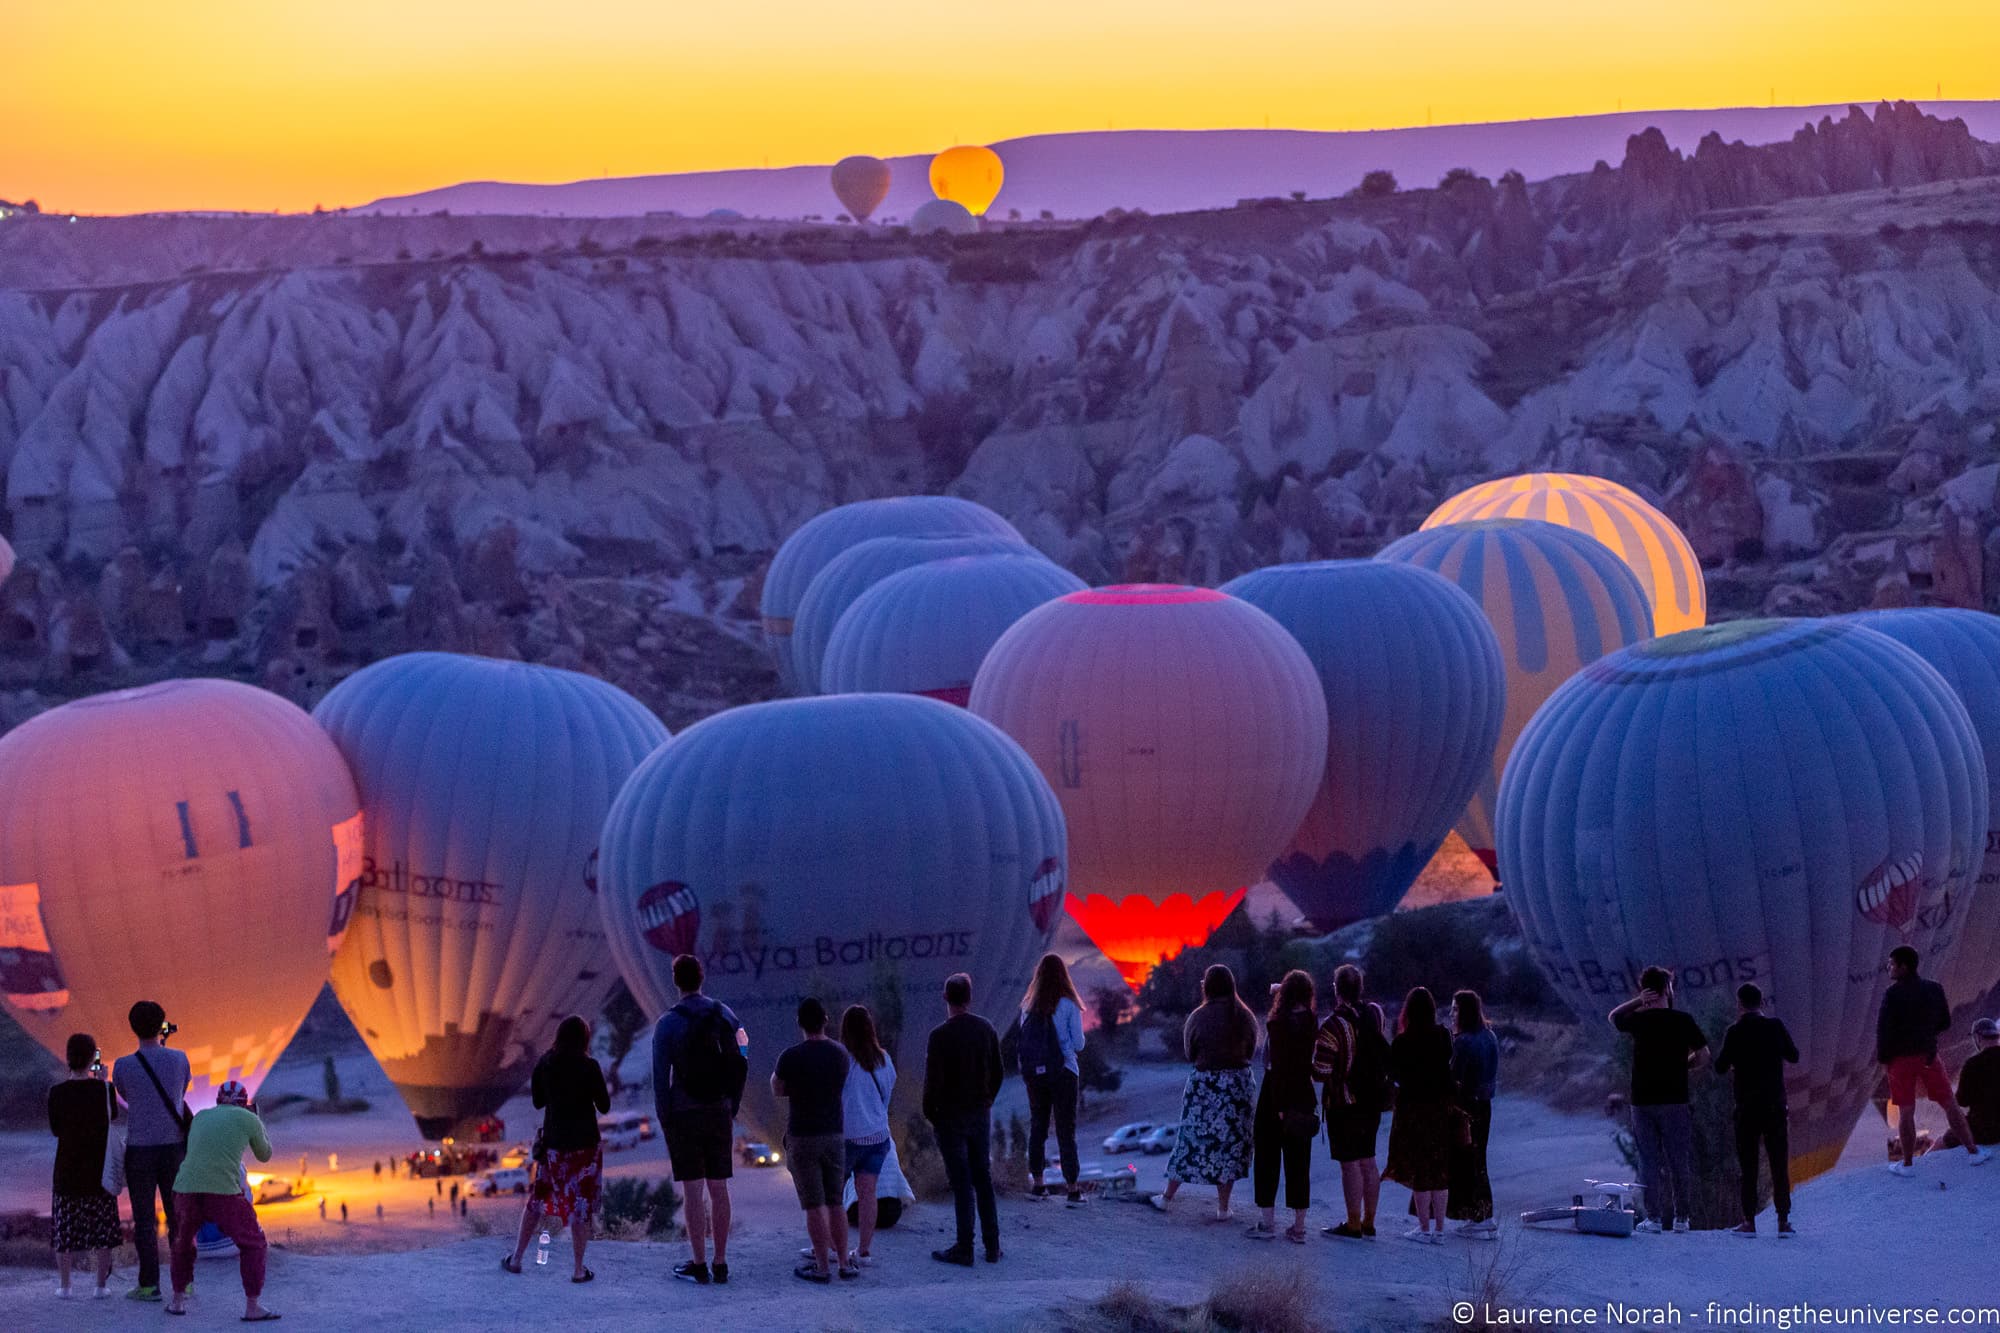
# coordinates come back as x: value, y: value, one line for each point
x: 1112, y: 1004
x: 589, y: 246
x: 1448, y: 948
x: 1266, y: 1300
x: 633, y: 1209
x: 1458, y: 176
x: 1377, y: 184
x: 1494, y: 1277
x: 1298, y: 196
x: 476, y: 249
x: 624, y: 1020
x: 1127, y: 1307
x: 1048, y: 215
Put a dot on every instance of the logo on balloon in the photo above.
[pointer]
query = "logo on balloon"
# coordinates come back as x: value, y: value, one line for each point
x: 1045, y: 892
x: 1888, y: 897
x: 670, y: 917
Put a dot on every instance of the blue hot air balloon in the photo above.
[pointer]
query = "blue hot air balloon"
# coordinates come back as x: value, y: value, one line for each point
x: 926, y: 629
x: 1556, y: 599
x: 857, y: 847
x: 1777, y: 801
x: 824, y: 536
x: 1415, y: 693
x: 483, y: 787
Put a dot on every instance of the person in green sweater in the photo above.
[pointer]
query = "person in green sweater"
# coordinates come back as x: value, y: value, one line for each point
x: 211, y: 1188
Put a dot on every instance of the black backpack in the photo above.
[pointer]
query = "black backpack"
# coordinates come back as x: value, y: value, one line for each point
x: 710, y: 1066
x: 1039, y: 1048
x: 1368, y: 1076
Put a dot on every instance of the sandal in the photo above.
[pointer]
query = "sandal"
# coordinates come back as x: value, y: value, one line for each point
x: 509, y: 1264
x: 1258, y: 1231
x: 263, y: 1318
x: 584, y: 1276
x: 812, y: 1273
x: 1295, y: 1235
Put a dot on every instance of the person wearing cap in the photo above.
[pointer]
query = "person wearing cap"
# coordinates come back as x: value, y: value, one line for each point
x: 210, y: 1188
x: 1979, y: 1083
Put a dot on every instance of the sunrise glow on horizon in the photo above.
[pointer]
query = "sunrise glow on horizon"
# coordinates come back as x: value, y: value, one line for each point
x: 121, y: 106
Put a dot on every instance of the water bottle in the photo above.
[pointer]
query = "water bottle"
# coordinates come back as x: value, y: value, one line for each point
x: 542, y: 1255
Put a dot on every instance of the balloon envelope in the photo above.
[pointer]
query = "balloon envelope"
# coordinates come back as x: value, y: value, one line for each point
x: 476, y: 932
x: 194, y: 843
x: 861, y: 183
x: 1556, y: 599
x: 967, y: 175
x: 1415, y: 694
x: 1184, y: 732
x: 860, y: 848
x: 945, y: 215
x: 1771, y: 801
x: 1644, y: 538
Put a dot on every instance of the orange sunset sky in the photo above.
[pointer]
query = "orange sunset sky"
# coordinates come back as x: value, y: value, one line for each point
x: 124, y: 105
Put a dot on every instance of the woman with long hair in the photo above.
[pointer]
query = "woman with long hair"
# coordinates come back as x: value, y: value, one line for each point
x: 865, y: 1118
x: 1213, y: 1145
x: 568, y: 1088
x: 1475, y: 1075
x: 1287, y: 1116
x: 1051, y: 1036
x: 81, y: 1109
x: 1421, y: 1134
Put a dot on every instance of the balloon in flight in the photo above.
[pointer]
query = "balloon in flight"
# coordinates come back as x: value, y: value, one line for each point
x: 968, y: 175
x: 860, y: 183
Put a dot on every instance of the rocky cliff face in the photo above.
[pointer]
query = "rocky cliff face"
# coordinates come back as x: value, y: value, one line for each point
x: 581, y: 448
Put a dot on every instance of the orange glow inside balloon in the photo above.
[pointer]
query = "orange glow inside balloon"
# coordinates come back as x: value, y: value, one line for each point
x: 967, y: 175
x: 1138, y: 934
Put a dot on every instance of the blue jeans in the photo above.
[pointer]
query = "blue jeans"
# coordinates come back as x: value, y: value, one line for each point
x: 1664, y: 1136
x: 966, y: 1144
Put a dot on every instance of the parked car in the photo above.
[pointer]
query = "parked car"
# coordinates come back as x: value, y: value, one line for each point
x: 1127, y: 1138
x: 619, y: 1139
x: 515, y: 1156
x: 502, y: 1180
x: 1160, y: 1140
x: 637, y: 1123
x: 761, y: 1154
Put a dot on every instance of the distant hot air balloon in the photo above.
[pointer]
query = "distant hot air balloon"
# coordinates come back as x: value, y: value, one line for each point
x: 1556, y: 599
x: 1415, y: 694
x: 859, y: 568
x: 485, y: 784
x: 1184, y: 732
x: 855, y: 847
x: 927, y: 629
x: 861, y: 184
x: 824, y: 536
x: 943, y: 215
x: 968, y: 175
x: 1767, y: 800
x: 1640, y: 535
x: 194, y: 843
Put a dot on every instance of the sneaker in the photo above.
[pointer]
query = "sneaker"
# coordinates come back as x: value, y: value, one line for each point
x: 1651, y: 1226
x: 1785, y: 1231
x: 1159, y: 1202
x: 101, y: 1293
x: 720, y: 1272
x: 849, y: 1270
x: 1075, y: 1199
x: 1436, y: 1238
x: 1744, y: 1229
x: 1418, y: 1234
x: 992, y: 1254
x: 688, y: 1270
x: 1981, y: 1156
x: 63, y: 1293
x: 144, y: 1294
x: 1038, y: 1193
x: 1684, y: 1225
x: 1346, y: 1230
x: 1261, y: 1231
x: 1368, y: 1231
x: 812, y: 1273
x: 954, y: 1255
x: 1902, y: 1169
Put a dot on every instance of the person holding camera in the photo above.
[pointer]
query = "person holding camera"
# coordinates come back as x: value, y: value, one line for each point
x: 153, y: 1084
x: 211, y: 1188
x: 81, y: 1109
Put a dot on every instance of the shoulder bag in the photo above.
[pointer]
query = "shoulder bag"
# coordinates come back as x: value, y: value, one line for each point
x: 179, y: 1114
x: 112, y: 1178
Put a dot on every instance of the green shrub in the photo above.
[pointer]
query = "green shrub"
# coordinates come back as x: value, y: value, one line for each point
x: 639, y: 1207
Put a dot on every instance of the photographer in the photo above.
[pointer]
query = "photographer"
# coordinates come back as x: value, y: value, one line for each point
x: 153, y: 1084
x: 81, y: 1110
x: 210, y: 1188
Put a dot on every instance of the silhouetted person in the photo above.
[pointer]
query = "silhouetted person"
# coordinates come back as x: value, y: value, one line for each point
x: 568, y: 1088
x: 1286, y: 1120
x: 961, y: 1080
x: 1218, y: 1106
x: 1666, y: 1046
x: 1914, y: 1012
x: 812, y: 1075
x: 1351, y: 1061
x: 1051, y: 1036
x: 701, y: 1058
x: 1979, y: 1083
x: 1475, y: 1075
x: 1756, y: 1049
x: 153, y: 1083
x: 209, y: 1188
x: 82, y: 1216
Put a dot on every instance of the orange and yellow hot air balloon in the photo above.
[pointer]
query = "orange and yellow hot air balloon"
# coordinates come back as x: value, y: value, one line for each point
x: 968, y: 175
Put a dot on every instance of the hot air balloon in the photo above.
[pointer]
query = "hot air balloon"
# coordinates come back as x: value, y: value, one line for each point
x: 927, y: 629
x: 1640, y: 535
x: 855, y: 847
x: 6, y: 560
x: 1556, y: 599
x: 485, y: 784
x: 859, y: 568
x: 943, y: 215
x: 824, y: 536
x: 1415, y: 694
x: 193, y: 842
x: 1185, y: 733
x: 1777, y: 801
x: 967, y: 175
x: 861, y: 184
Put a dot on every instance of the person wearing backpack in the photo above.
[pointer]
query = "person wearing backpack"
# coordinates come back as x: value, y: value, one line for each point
x: 701, y: 1059
x: 153, y: 1084
x: 1051, y: 1036
x: 1351, y: 1063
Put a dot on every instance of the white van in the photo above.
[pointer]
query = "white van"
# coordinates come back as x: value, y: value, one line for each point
x: 629, y: 1127
x: 502, y: 1180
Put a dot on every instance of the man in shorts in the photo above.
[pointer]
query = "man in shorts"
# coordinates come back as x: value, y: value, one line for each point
x: 700, y: 1060
x: 1914, y: 1011
x: 812, y: 1075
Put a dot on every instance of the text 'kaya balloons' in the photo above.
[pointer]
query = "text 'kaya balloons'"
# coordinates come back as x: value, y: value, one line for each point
x: 1640, y: 535
x: 824, y: 536
x: 926, y: 630
x: 1184, y: 732
x: 967, y: 175
x: 1415, y: 694
x: 485, y: 785
x: 1557, y: 601
x: 1767, y: 800
x: 194, y: 843
x: 861, y: 183
x: 860, y: 848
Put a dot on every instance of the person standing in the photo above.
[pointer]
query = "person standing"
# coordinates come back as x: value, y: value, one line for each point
x: 1667, y: 1045
x: 962, y: 1076
x: 1475, y: 1076
x: 153, y: 1083
x: 568, y: 1088
x: 1286, y: 1120
x: 701, y: 1060
x: 812, y: 1075
x: 210, y: 1188
x: 1756, y: 1048
x: 1351, y: 1062
x: 1421, y: 1135
x: 1051, y: 1036
x: 1214, y: 1145
x: 1914, y: 1011
x: 85, y: 1218
x: 1979, y: 1084
x: 864, y: 1118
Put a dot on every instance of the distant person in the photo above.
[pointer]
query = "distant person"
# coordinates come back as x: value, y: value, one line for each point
x: 864, y: 1118
x: 1351, y: 1062
x: 210, y: 1189
x: 85, y: 1218
x: 1421, y: 1134
x: 430, y: 1204
x: 567, y: 1087
x: 378, y: 1212
x: 1219, y: 1104
x: 1756, y: 1048
x: 701, y: 1060
x: 1475, y: 1076
x: 962, y: 1076
x: 378, y: 1170
x: 811, y: 1075
x: 1914, y: 1012
x: 343, y: 1210
x: 1667, y: 1045
x: 1286, y: 1120
x: 1979, y: 1083
x: 454, y: 1191
x: 153, y: 1083
x: 1051, y: 1036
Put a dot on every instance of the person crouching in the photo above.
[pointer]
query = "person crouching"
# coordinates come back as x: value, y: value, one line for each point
x: 210, y: 1188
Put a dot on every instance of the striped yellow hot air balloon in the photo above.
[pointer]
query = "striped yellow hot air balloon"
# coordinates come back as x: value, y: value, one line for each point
x: 1641, y: 535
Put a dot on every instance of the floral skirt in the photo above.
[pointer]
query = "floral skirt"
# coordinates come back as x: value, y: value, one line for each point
x: 1213, y: 1146
x: 567, y: 1182
x: 85, y: 1222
